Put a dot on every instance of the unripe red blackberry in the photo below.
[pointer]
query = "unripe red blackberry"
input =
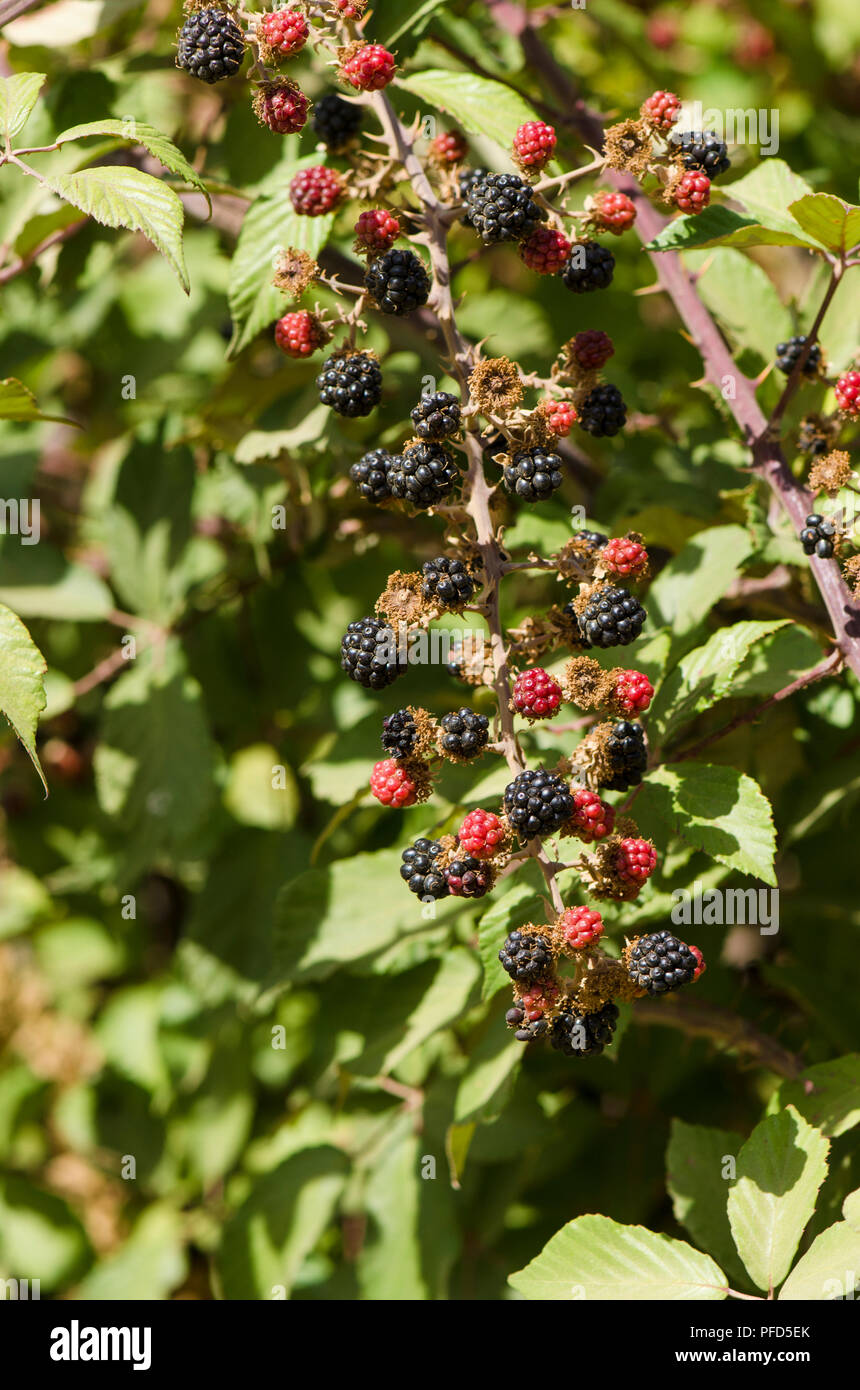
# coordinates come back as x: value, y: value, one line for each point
x: 300, y: 333
x: 481, y: 834
x: 591, y: 819
x: 447, y: 581
x: 561, y: 416
x: 398, y: 282
x: 614, y: 212
x: 589, y: 267
x: 534, y: 143
x: 603, y: 412
x: 635, y: 861
x: 281, y: 106
x: 368, y: 68
x: 576, y: 1034
x: 848, y: 393
x: 211, y: 45
x: 592, y: 349
x: 526, y: 956
x: 659, y: 962
x: 538, y: 997
x: 370, y: 475
x: 282, y: 33
x: 546, y: 250
x: 369, y: 654
x: 421, y: 870
x: 376, y: 230
x: 537, y: 695
x: 537, y: 803
x: 315, y: 191
x: 436, y: 416
x: 335, y: 121
x: 580, y: 927
x: 692, y: 193
x: 424, y: 474
x: 501, y: 207
x: 624, y: 556
x: 702, y: 150
x: 465, y: 733
x: 392, y: 784
x: 467, y: 877
x: 534, y: 474
x: 661, y: 110
x: 449, y: 147
x: 633, y: 691
x: 351, y: 383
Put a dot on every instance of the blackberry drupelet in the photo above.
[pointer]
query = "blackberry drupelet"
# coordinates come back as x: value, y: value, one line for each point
x: 788, y: 355
x: 436, y: 416
x: 467, y: 877
x: 370, y: 475
x: 423, y: 474
x: 501, y: 207
x: 351, y: 385
x: 464, y: 733
x: 526, y: 956
x: 399, y: 734
x: 537, y: 803
x: 335, y: 121
x: 398, y: 282
x: 447, y: 581
x: 660, y: 963
x: 526, y: 1032
x: 702, y: 150
x: 368, y: 654
x: 589, y: 267
x: 533, y: 474
x: 583, y: 1035
x: 627, y: 755
x: 612, y: 617
x: 603, y: 412
x: 211, y: 45
x: 421, y: 871
x: 817, y: 537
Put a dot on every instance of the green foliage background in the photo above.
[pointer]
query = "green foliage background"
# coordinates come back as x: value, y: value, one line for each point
x: 307, y: 1167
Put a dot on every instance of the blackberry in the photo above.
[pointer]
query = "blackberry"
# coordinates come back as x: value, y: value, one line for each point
x: 583, y: 1035
x: 467, y: 877
x: 211, y: 45
x: 526, y: 1032
x: 420, y: 869
x: 612, y: 617
x: 660, y: 962
x: 533, y: 474
x: 595, y: 540
x: 627, y: 755
x: 603, y: 413
x: 448, y: 581
x: 368, y: 653
x: 370, y: 475
x: 537, y: 803
x: 399, y: 733
x: 589, y: 267
x: 817, y: 537
x: 702, y: 150
x: 436, y: 416
x: 397, y: 282
x: 788, y: 355
x: 335, y: 121
x: 464, y: 733
x: 501, y: 207
x: 526, y: 956
x: 351, y: 385
x: 423, y: 474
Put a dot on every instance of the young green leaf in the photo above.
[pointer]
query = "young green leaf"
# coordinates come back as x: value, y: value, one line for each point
x: 716, y: 809
x: 18, y: 96
x: 22, y: 683
x: 828, y: 219
x: 830, y: 1269
x: 134, y: 132
x: 18, y: 403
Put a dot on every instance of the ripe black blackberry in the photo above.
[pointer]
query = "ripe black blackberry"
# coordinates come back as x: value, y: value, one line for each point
x: 537, y: 803
x: 399, y: 734
x: 533, y: 474
x: 627, y: 755
x: 436, y: 416
x: 817, y: 537
x: 211, y: 45
x: 370, y: 475
x: 501, y: 207
x: 612, y: 617
x: 526, y: 956
x: 660, y: 962
x: 369, y: 655
x: 350, y: 383
x: 595, y: 540
x: 464, y: 733
x: 423, y: 474
x: 583, y: 1035
x: 603, y: 412
x: 788, y: 355
x: 421, y: 870
x: 468, y: 877
x: 526, y: 1032
x: 447, y: 581
x: 397, y: 281
x: 702, y: 150
x: 815, y: 436
x: 590, y: 266
x: 335, y: 121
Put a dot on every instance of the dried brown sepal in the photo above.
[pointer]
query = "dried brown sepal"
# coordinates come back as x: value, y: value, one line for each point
x: 599, y: 873
x: 420, y: 774
x: 851, y: 570
x: 603, y: 981
x: 294, y: 271
x: 627, y: 146
x: 831, y: 473
x: 495, y: 386
x: 585, y: 683
x: 403, y: 602
x: 528, y: 641
x: 590, y: 760
x: 475, y: 666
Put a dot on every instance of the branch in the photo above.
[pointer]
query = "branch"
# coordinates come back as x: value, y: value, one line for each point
x: 11, y: 9
x: 24, y: 262
x: 700, y: 1020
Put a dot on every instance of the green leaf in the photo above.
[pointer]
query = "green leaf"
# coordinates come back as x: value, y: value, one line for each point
x: 39, y: 1236
x: 18, y: 96
x: 851, y: 1209
x: 830, y: 1269
x: 479, y: 105
x: 829, y: 220
x: 742, y: 297
x: 442, y: 1003
x: 22, y: 683
x: 134, y: 132
x: 779, y: 1171
x: 827, y: 1095
x: 19, y: 404
x: 715, y: 809
x: 149, y: 1265
x: 118, y: 196
x: 687, y: 589
x: 489, y: 1076
x: 39, y: 583
x: 764, y: 219
x: 595, y: 1258
x: 705, y: 675
x: 695, y: 1162
x: 261, y: 789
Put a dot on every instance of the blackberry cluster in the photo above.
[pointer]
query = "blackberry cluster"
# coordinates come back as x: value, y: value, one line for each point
x: 589, y: 267
x: 399, y: 733
x: 627, y: 755
x: 368, y: 653
x: 702, y: 150
x: 351, y: 385
x: 788, y: 355
x: 467, y: 877
x: 526, y: 956
x: 603, y: 412
x: 335, y: 121
x: 501, y: 207
x: 583, y: 1035
x: 526, y: 1032
x: 211, y: 45
x: 421, y: 871
x: 660, y: 963
x: 370, y: 475
x: 447, y: 581
x: 612, y: 617
x: 817, y: 537
x: 424, y: 474
x: 537, y: 803
x: 398, y: 282
x: 436, y: 416
x: 533, y: 474
x: 464, y: 733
